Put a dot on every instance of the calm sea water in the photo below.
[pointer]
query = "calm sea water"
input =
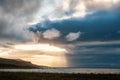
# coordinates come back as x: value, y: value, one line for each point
x: 65, y: 70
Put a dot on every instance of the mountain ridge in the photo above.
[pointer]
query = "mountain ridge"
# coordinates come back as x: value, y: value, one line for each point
x: 17, y: 63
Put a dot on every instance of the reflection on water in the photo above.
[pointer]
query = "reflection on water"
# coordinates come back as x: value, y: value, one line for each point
x: 65, y: 70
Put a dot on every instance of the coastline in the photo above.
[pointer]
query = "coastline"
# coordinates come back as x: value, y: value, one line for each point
x: 66, y: 70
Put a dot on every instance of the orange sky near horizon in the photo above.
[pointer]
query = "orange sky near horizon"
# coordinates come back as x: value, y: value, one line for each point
x: 40, y: 54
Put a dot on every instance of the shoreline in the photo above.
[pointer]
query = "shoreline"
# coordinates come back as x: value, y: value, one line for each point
x: 67, y: 70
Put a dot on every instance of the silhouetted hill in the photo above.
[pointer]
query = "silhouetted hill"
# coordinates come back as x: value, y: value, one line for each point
x: 17, y: 63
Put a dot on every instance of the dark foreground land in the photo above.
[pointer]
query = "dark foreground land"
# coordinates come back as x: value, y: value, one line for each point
x: 56, y: 76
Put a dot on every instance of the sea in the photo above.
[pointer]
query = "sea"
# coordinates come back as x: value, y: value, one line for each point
x: 66, y: 70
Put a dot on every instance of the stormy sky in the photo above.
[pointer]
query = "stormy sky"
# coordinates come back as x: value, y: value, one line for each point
x: 61, y: 33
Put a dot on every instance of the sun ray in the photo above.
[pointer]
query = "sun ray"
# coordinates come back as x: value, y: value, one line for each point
x: 51, y: 55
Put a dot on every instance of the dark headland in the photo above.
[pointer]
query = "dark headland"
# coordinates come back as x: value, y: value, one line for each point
x: 17, y: 64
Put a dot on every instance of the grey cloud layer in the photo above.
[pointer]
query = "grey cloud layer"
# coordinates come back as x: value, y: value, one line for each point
x: 13, y: 17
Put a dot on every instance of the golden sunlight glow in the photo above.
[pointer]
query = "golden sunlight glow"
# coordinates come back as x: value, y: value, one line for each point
x: 4, y: 51
x: 39, y: 47
x: 52, y: 61
x: 42, y: 54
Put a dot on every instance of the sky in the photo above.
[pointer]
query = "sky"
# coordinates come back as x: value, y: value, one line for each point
x: 61, y: 33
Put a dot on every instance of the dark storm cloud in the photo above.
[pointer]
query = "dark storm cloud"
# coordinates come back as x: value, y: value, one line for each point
x: 95, y: 54
x: 100, y: 26
x: 92, y: 60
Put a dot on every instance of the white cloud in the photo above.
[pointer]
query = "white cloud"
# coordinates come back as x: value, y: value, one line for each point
x: 56, y: 9
x: 51, y: 34
x: 80, y: 10
x: 73, y: 36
